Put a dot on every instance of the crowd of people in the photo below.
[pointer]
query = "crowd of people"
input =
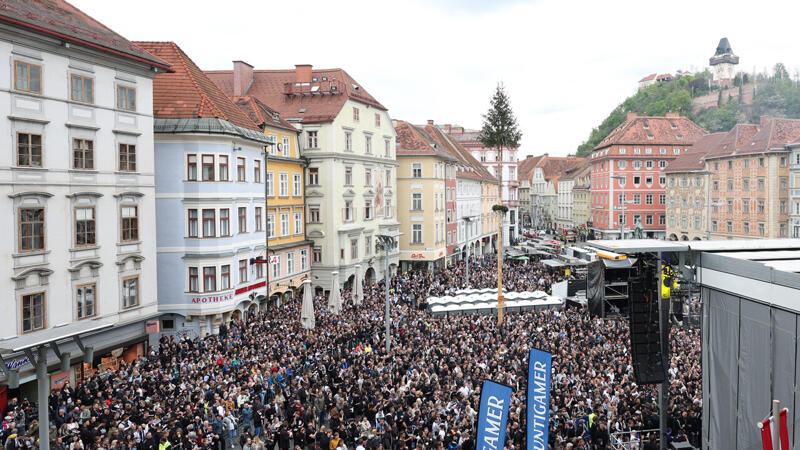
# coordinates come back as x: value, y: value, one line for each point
x: 266, y: 383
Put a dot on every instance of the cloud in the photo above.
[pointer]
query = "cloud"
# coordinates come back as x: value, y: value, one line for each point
x: 566, y: 64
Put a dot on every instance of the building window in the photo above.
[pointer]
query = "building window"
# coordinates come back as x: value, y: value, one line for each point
x: 377, y: 120
x: 760, y: 162
x: 192, y: 222
x: 312, y: 139
x: 303, y: 260
x: 745, y: 183
x: 33, y: 312
x: 256, y: 171
x: 730, y: 206
x: 298, y: 222
x: 416, y: 233
x: 85, y: 227
x: 130, y: 223
x: 622, y: 164
x: 313, y: 214
x: 368, y: 209
x: 271, y: 225
x: 761, y: 231
x: 270, y: 184
x: 241, y: 170
x: 416, y: 170
x: 368, y: 177
x: 388, y: 177
x: 29, y: 150
x: 387, y: 148
x: 82, y: 154
x: 27, y: 77
x: 637, y: 164
x: 259, y: 271
x: 313, y: 176
x: 696, y: 222
x: 348, y: 176
x: 82, y: 89
x: 784, y: 183
x: 746, y: 163
x: 367, y: 245
x: 648, y: 180
x: 223, y: 168
x: 284, y: 224
x: 191, y: 167
x: 126, y: 98
x: 224, y: 221
x: 746, y: 227
x: 648, y: 199
x: 637, y: 199
x: 348, y: 141
x: 348, y: 211
x: 259, y: 226
x: 672, y: 221
x: 648, y: 219
x: 662, y: 164
x: 286, y: 148
x: 289, y: 263
x: 242, y: 219
x: 225, y: 277
x: 745, y: 206
x: 209, y: 226
x: 730, y: 164
x: 355, y: 114
x: 130, y: 291
x: 730, y: 184
x: 297, y: 185
x: 662, y: 198
x: 388, y: 208
x: 283, y: 184
x: 85, y: 300
x: 127, y: 158
x: 671, y: 182
x: 621, y: 219
x: 416, y: 201
x: 209, y: 279
x: 242, y: 271
x: 316, y: 255
x: 783, y: 207
x: 208, y: 167
x: 276, y: 267
x: 684, y: 222
x: 761, y: 206
x: 714, y: 225
x: 637, y: 180
x: 648, y: 164
x: 662, y: 219
x: 783, y: 230
x: 368, y: 145
x: 729, y: 226
x: 715, y: 185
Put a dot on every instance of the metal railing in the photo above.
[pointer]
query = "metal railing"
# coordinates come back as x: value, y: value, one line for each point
x: 631, y: 440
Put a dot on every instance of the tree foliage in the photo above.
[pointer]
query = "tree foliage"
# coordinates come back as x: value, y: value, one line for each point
x: 777, y: 95
x: 500, y: 129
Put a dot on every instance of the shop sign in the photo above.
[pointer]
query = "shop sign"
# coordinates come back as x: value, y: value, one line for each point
x: 417, y: 256
x: 152, y: 326
x: 17, y: 363
x: 58, y: 380
x: 214, y: 298
x: 274, y: 259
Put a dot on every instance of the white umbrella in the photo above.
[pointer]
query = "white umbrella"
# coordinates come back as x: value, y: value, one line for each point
x: 358, y: 290
x: 307, y: 313
x: 335, y: 299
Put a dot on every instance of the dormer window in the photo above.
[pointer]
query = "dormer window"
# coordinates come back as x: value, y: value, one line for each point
x: 650, y: 137
x: 679, y: 137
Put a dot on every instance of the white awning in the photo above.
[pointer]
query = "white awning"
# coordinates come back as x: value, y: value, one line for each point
x: 68, y: 331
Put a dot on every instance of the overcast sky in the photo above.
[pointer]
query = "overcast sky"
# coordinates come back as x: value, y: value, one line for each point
x: 565, y: 63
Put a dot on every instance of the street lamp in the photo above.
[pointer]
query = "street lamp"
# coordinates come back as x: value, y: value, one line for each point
x: 387, y: 241
x: 468, y: 220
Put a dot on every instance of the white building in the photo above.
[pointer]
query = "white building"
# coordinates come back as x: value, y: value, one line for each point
x: 349, y: 140
x: 77, y: 181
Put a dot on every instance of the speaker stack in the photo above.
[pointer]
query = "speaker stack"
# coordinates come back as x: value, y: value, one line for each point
x: 646, y: 351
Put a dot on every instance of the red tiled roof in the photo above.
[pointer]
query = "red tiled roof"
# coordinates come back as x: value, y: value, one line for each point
x: 740, y: 135
x: 773, y: 134
x: 694, y: 158
x: 554, y: 166
x: 262, y: 114
x: 471, y: 167
x: 62, y: 20
x: 320, y: 105
x: 187, y: 92
x: 413, y: 140
x: 663, y: 76
x: 652, y: 76
x: 633, y: 132
x: 525, y: 166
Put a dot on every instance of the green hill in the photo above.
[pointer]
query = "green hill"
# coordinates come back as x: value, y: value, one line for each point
x: 777, y: 95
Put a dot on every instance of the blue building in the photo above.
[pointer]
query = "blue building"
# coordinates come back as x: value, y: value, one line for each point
x: 209, y: 176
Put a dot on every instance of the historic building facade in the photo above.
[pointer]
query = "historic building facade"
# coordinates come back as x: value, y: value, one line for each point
x: 77, y: 184
x: 628, y: 179
x: 350, y: 184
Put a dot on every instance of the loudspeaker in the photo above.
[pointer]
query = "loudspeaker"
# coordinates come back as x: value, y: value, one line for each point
x: 646, y: 351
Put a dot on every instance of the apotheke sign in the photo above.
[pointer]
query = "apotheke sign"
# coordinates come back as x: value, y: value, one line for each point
x: 219, y: 298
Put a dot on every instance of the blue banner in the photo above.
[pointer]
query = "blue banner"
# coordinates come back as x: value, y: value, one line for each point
x: 493, y: 415
x: 539, y: 373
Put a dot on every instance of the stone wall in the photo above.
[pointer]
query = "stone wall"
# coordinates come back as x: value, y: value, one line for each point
x: 710, y: 101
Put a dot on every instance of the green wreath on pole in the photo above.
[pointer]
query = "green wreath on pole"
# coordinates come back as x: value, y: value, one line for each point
x: 500, y: 208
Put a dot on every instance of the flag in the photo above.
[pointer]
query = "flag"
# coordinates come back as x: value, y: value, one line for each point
x: 539, y: 372
x: 493, y: 415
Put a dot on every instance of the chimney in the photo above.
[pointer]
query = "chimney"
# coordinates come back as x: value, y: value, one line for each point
x: 447, y: 128
x: 672, y: 115
x: 528, y: 156
x: 302, y: 73
x: 632, y: 115
x: 430, y: 122
x: 242, y: 77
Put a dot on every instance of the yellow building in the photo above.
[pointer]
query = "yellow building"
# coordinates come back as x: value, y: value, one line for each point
x: 288, y: 249
x: 421, y: 201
